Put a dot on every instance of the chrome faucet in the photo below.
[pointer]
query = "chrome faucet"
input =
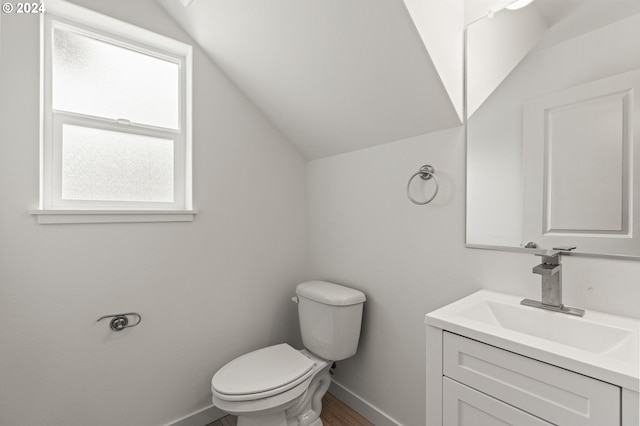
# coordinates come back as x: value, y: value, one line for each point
x: 551, y: 272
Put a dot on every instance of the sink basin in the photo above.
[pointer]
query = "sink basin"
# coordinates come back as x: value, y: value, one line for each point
x: 564, y: 329
x: 600, y: 345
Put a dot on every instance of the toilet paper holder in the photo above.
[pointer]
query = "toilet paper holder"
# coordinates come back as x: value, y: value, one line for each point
x: 121, y: 321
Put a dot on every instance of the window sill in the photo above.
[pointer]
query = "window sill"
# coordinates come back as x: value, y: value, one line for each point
x: 47, y: 217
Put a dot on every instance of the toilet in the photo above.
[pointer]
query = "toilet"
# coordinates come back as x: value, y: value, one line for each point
x: 281, y: 386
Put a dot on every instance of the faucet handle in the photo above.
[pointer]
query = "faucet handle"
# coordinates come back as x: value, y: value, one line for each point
x: 552, y: 257
x: 565, y: 248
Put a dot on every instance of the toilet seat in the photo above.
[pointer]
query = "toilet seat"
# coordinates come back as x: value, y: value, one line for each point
x: 262, y: 373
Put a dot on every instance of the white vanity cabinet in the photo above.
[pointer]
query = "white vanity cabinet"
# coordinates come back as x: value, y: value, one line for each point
x: 485, y: 368
x: 484, y: 381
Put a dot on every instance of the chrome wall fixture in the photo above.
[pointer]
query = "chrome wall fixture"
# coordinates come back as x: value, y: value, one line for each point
x: 426, y: 172
x: 121, y: 321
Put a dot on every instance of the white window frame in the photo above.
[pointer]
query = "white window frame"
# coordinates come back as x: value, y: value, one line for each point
x: 52, y: 208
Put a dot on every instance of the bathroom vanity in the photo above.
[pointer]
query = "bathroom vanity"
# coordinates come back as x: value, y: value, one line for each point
x: 492, y: 361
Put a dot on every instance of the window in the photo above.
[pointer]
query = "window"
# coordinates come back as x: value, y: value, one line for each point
x: 115, y: 121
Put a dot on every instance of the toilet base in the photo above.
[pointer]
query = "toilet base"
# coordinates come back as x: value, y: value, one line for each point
x: 270, y: 419
x: 305, y: 411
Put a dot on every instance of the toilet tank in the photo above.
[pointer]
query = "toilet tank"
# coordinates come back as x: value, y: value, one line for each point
x: 330, y: 318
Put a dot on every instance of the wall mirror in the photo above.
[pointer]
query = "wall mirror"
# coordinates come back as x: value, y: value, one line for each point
x: 553, y: 127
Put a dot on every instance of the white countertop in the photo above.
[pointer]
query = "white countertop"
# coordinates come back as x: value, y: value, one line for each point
x: 619, y: 365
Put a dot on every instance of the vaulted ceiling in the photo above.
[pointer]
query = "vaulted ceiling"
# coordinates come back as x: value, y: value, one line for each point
x: 332, y: 75
x: 340, y: 75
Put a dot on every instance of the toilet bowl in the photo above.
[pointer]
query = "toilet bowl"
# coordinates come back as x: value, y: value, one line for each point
x: 281, y: 386
x: 274, y: 386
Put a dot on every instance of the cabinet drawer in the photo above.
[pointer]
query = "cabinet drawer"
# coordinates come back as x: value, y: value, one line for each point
x: 463, y: 406
x: 559, y: 396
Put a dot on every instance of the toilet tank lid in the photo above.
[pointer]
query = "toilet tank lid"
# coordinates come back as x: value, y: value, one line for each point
x: 330, y: 293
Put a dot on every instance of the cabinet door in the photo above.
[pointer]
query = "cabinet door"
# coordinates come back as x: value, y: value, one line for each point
x: 557, y: 395
x: 463, y: 406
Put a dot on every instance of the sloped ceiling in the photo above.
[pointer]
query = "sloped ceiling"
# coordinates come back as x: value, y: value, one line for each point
x: 332, y: 75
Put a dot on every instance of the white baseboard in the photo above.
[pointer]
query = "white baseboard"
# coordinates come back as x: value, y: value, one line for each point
x: 365, y: 409
x: 199, y: 418
x: 372, y: 413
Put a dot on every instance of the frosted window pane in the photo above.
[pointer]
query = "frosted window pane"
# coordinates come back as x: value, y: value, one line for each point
x: 103, y: 165
x: 101, y: 79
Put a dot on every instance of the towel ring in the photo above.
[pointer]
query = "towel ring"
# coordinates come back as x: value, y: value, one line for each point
x: 426, y: 172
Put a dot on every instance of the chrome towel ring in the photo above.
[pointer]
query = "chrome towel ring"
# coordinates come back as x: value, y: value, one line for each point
x: 426, y: 172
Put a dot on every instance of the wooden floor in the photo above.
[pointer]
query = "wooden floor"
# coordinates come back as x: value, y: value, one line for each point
x: 334, y: 413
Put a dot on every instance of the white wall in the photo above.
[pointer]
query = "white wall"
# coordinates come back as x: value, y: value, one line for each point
x: 411, y: 259
x: 207, y: 290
